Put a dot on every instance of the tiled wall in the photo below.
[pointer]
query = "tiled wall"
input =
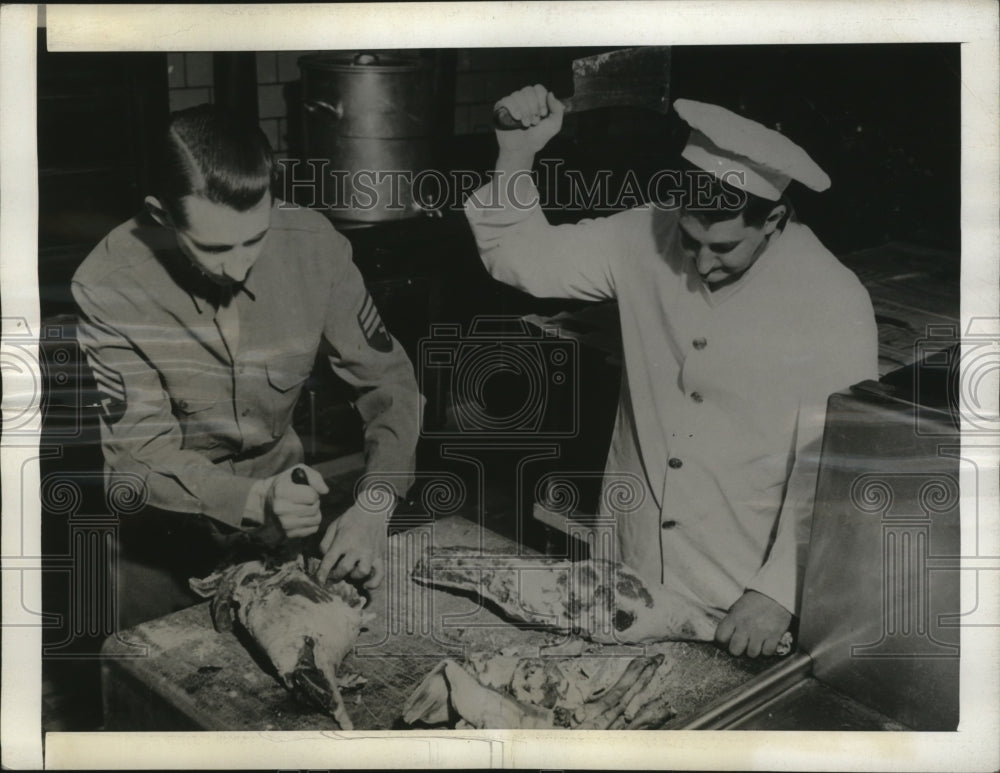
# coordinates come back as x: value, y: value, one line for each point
x: 482, y: 77
x: 275, y: 70
x: 190, y: 78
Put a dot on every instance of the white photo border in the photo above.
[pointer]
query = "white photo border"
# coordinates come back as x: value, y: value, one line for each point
x: 430, y: 25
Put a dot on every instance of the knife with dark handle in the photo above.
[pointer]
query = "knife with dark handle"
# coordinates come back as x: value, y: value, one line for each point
x: 299, y: 477
x: 292, y: 546
x: 279, y: 547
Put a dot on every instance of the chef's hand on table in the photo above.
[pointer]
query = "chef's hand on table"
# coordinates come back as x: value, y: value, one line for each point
x: 354, y: 546
x: 295, y: 506
x: 753, y: 625
x: 539, y: 113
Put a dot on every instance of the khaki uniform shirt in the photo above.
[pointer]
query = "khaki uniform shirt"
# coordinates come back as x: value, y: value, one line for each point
x: 723, y: 394
x: 200, y: 417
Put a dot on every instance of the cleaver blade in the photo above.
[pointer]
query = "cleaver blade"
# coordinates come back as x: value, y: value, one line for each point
x: 628, y: 77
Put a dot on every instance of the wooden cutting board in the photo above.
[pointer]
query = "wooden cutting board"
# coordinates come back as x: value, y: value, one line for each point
x: 178, y: 673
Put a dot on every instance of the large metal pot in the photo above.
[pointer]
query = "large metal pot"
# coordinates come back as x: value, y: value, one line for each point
x: 371, y: 117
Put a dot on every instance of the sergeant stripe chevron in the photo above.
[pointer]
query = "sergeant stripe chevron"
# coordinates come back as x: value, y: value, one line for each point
x: 372, y: 327
x: 108, y: 381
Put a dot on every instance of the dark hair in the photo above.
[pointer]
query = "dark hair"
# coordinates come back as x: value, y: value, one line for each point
x: 209, y: 152
x: 726, y: 201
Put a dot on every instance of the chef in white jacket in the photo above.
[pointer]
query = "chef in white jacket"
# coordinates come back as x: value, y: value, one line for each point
x: 737, y: 324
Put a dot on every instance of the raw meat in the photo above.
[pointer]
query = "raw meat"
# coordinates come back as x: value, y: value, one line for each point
x: 507, y: 691
x: 305, y: 629
x: 601, y: 600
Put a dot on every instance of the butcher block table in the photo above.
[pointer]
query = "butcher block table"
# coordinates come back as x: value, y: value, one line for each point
x: 179, y: 673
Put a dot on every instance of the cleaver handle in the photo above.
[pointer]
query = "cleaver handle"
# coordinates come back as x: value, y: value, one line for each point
x: 503, y: 120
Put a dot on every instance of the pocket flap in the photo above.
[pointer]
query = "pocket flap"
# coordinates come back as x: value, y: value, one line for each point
x: 288, y: 371
x: 189, y: 405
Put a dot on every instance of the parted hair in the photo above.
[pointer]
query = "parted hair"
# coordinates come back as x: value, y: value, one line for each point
x: 209, y: 152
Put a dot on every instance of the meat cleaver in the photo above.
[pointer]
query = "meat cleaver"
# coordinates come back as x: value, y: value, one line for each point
x: 629, y: 77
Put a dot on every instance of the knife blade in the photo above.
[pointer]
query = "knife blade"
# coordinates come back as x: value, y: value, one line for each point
x: 628, y: 77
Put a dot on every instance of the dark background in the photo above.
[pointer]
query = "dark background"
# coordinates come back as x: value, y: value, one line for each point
x: 882, y: 120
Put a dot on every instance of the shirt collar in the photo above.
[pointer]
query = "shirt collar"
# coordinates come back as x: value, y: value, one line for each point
x: 206, y: 301
x: 201, y: 290
x: 184, y: 273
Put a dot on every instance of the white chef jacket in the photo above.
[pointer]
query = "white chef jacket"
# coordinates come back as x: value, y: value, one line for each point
x: 723, y: 394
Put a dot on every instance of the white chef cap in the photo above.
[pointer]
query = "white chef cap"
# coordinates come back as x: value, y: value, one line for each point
x: 745, y: 153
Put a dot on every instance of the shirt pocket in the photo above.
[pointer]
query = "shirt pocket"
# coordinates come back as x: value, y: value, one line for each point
x: 199, y: 420
x: 286, y: 374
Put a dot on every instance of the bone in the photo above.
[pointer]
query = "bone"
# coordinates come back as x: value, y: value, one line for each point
x: 616, y: 711
x: 593, y: 713
x: 650, y: 691
x: 617, y: 724
x: 653, y: 715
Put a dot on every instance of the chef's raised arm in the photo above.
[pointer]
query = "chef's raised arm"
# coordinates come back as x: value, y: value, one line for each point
x: 516, y: 242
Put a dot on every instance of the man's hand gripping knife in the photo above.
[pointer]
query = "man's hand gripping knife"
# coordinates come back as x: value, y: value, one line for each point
x: 286, y: 506
x: 354, y: 545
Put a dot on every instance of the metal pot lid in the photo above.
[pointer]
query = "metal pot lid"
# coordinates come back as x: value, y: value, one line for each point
x: 361, y: 61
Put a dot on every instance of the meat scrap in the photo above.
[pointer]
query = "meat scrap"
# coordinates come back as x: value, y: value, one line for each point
x: 451, y: 688
x: 543, y: 693
x: 603, y: 601
x: 305, y: 629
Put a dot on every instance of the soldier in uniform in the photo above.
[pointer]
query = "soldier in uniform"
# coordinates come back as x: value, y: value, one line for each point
x: 737, y: 324
x: 201, y: 320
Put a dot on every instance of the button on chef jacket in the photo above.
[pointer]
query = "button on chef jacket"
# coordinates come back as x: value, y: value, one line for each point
x: 199, y: 388
x: 723, y: 394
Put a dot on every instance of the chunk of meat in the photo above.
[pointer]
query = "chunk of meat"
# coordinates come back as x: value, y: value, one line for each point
x: 601, y: 600
x: 449, y: 684
x: 491, y: 691
x: 305, y: 629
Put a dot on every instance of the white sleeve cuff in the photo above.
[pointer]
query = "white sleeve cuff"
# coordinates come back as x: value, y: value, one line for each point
x: 253, y: 511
